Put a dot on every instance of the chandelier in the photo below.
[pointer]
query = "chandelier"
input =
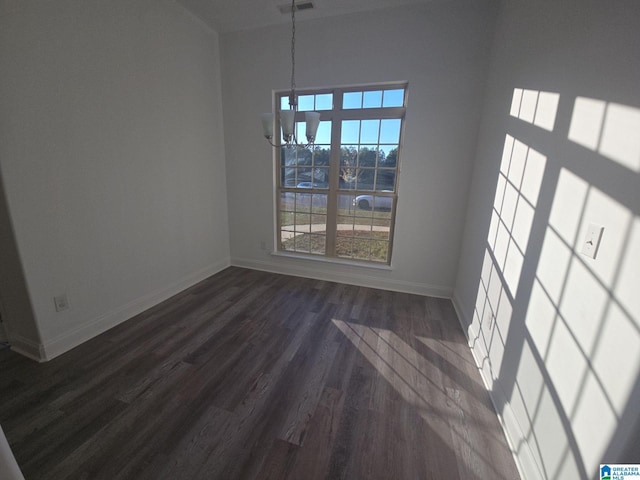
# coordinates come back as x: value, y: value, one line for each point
x: 287, y: 117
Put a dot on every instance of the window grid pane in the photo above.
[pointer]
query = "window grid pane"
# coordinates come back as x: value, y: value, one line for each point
x: 372, y: 99
x: 324, y: 101
x: 352, y: 100
x: 393, y: 98
x: 306, y: 103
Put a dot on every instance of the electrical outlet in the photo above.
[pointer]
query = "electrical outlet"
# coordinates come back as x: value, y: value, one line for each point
x: 61, y: 302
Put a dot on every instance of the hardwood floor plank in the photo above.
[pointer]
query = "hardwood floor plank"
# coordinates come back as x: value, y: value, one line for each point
x: 349, y: 438
x: 188, y: 447
x: 311, y: 461
x: 129, y: 432
x: 307, y: 396
x: 254, y: 375
x: 278, y: 461
x: 37, y: 453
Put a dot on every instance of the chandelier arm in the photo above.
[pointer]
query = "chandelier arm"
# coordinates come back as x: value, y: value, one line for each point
x: 298, y: 145
x: 271, y: 143
x: 292, y: 143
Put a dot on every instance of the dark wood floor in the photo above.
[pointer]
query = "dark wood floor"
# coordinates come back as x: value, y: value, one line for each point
x: 256, y: 375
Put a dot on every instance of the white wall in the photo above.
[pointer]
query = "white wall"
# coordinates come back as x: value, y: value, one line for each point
x: 442, y: 51
x: 557, y: 334
x: 112, y: 158
x: 15, y: 304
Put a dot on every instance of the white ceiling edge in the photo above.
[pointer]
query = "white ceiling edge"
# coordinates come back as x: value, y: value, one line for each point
x: 234, y: 15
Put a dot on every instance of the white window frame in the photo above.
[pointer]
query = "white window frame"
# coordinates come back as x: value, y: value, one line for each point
x: 336, y: 116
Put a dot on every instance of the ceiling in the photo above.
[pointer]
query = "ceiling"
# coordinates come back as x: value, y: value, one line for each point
x: 232, y: 15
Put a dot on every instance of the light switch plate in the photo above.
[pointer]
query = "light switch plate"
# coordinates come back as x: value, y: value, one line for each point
x: 592, y: 240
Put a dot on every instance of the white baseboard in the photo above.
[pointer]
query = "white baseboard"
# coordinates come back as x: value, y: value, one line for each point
x: 70, y: 339
x: 524, y: 458
x: 342, y: 274
x: 26, y: 347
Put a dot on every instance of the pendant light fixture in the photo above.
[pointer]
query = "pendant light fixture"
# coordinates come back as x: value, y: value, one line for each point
x: 287, y: 117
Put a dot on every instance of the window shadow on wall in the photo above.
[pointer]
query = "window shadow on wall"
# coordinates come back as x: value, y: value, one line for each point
x: 557, y: 332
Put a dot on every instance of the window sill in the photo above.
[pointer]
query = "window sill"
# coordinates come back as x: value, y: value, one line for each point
x: 335, y: 261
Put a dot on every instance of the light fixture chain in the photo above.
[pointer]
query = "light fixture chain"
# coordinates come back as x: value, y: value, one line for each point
x: 292, y: 99
x: 288, y: 119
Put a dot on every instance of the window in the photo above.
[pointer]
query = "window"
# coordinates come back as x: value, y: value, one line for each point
x: 338, y: 197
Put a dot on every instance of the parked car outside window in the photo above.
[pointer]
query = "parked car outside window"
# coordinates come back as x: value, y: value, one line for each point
x: 366, y: 202
x: 310, y: 185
